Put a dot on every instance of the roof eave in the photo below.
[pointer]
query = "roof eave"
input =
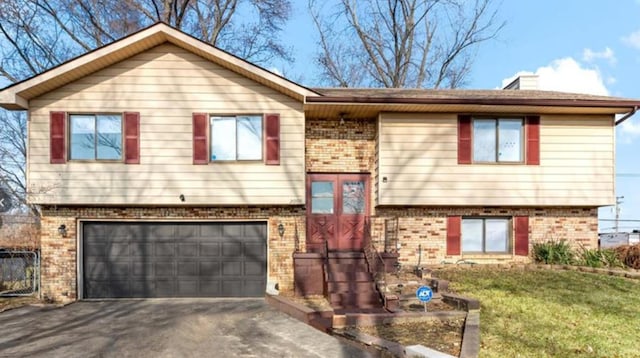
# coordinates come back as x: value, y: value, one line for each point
x: 617, y: 104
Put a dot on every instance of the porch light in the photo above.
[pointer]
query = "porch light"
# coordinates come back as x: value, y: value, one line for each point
x: 62, y: 230
x: 281, y: 230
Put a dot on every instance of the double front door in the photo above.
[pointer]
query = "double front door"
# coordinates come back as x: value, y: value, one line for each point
x: 337, y: 209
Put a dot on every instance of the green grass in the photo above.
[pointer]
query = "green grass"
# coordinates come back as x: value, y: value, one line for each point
x: 548, y: 313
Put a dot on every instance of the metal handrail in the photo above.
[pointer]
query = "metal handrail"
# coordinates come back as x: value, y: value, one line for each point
x: 371, y: 253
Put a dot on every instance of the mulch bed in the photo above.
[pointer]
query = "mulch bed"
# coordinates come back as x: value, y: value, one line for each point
x: 444, y: 336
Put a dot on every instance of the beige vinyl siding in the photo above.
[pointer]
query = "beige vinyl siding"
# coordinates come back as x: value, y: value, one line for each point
x: 166, y: 85
x: 418, y: 156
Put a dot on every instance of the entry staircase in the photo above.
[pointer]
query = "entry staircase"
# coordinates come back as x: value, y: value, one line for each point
x: 350, y: 284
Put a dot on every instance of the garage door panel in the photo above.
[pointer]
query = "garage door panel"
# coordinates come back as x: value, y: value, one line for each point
x: 187, y: 269
x: 187, y: 249
x: 139, y: 249
x: 164, y: 268
x: 128, y: 259
x: 231, y: 268
x: 252, y: 268
x: 231, y: 249
x: 210, y: 249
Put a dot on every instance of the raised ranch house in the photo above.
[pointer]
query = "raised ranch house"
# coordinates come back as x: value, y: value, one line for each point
x: 166, y: 167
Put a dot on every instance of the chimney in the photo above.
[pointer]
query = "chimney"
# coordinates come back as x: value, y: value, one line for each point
x: 523, y: 82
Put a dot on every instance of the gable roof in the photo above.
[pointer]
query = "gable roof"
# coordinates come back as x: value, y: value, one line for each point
x: 17, y: 95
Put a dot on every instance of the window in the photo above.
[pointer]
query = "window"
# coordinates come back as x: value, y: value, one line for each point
x: 498, y: 140
x: 236, y: 138
x: 485, y: 235
x: 95, y: 137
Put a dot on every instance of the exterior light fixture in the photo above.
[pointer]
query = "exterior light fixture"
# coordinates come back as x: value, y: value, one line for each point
x: 181, y: 197
x: 62, y: 230
x: 281, y: 230
x: 342, y: 114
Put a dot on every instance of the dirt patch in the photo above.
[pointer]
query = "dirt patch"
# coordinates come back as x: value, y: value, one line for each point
x: 7, y: 303
x: 317, y: 303
x: 444, y: 336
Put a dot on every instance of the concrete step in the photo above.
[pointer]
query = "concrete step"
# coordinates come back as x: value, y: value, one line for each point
x: 345, y: 254
x: 342, y: 287
x: 354, y: 299
x: 354, y: 276
x: 347, y: 267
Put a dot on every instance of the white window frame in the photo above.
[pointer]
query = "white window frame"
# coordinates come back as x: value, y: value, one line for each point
x: 508, y: 238
x: 496, y: 159
x: 236, y: 157
x: 96, y: 137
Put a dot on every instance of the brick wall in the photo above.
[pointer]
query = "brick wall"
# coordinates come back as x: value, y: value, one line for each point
x: 335, y: 147
x: 59, y: 269
x: 422, y: 232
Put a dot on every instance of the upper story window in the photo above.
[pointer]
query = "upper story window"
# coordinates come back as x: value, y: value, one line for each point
x: 236, y: 138
x: 498, y: 140
x: 95, y: 137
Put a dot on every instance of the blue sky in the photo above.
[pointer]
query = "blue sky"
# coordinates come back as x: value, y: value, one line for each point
x: 573, y: 45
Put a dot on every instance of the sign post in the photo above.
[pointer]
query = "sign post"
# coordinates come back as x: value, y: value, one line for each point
x: 424, y: 294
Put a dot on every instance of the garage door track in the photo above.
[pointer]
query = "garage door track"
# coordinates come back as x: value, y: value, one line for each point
x: 164, y: 328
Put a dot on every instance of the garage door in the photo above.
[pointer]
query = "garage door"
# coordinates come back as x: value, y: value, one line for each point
x: 174, y: 259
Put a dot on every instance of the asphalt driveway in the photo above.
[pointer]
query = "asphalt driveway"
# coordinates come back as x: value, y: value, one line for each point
x: 164, y: 328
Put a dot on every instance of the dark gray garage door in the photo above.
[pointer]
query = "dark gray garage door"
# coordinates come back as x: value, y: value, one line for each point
x: 174, y: 259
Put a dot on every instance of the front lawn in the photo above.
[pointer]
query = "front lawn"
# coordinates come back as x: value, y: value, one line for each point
x: 545, y: 313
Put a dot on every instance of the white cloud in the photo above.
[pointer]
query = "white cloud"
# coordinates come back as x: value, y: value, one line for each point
x: 629, y: 130
x: 566, y: 75
x: 633, y: 39
x: 588, y: 55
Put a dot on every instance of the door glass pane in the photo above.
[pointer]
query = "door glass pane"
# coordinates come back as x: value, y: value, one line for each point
x: 510, y: 146
x: 353, y: 197
x: 322, y: 197
x: 484, y: 140
x: 472, y: 235
x: 497, y: 234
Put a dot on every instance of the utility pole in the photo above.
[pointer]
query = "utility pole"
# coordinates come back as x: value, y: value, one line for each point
x: 618, y: 202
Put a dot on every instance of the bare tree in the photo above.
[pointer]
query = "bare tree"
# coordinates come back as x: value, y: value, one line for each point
x: 400, y: 43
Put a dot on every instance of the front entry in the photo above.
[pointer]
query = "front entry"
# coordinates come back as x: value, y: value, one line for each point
x: 337, y: 209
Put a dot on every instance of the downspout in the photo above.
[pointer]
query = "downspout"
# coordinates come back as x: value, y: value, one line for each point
x: 627, y: 116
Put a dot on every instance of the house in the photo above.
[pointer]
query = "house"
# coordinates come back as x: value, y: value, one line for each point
x: 167, y: 167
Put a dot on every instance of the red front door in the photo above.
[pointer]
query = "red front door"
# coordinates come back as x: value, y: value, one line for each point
x: 337, y: 206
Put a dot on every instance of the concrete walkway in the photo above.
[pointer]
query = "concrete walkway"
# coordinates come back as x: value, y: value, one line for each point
x: 164, y: 328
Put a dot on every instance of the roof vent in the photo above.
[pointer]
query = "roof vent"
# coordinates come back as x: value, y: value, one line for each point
x: 523, y: 82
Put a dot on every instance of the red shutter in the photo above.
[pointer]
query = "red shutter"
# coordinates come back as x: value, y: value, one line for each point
x: 57, y: 141
x: 464, y: 139
x: 272, y: 139
x: 532, y: 128
x: 131, y: 138
x: 521, y: 246
x: 200, y: 150
x: 453, y: 235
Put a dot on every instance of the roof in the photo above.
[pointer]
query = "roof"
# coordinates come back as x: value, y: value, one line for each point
x: 320, y: 102
x: 17, y: 95
x: 466, y: 96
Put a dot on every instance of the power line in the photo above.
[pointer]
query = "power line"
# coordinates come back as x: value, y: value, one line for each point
x: 621, y: 220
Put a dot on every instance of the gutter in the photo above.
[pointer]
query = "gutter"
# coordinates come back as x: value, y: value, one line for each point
x: 627, y: 116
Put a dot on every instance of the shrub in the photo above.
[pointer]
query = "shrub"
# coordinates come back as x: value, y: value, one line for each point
x: 610, y: 258
x: 629, y: 255
x: 555, y: 252
x: 590, y: 257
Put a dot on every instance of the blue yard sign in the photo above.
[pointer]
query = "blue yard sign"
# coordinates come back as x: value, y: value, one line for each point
x: 424, y: 294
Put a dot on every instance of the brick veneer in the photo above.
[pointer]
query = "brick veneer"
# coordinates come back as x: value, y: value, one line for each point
x: 59, y: 269
x: 422, y: 231
x: 335, y: 147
